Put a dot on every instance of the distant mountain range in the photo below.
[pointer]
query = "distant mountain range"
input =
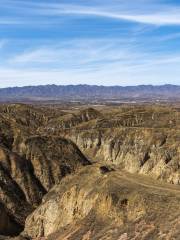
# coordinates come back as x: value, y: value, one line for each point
x: 91, y: 92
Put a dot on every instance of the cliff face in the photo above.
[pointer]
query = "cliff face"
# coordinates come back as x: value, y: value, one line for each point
x: 52, y: 158
x: 30, y: 165
x: 101, y: 203
x: 153, y: 152
x: 27, y: 176
x: 142, y: 140
x: 48, y: 185
x: 72, y: 119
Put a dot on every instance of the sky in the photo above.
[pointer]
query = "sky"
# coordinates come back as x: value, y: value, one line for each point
x: 97, y: 42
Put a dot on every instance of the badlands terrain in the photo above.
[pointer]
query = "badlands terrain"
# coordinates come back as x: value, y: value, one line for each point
x: 90, y: 172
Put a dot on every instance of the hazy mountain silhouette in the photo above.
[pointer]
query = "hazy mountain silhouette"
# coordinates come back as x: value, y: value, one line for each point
x: 75, y: 92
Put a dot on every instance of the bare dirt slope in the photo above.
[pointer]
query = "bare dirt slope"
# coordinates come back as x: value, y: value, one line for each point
x: 101, y: 203
x: 50, y: 190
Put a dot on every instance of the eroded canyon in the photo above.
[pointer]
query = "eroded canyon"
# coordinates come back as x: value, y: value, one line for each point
x: 85, y: 172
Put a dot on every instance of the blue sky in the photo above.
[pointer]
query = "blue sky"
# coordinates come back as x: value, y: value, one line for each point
x: 117, y: 42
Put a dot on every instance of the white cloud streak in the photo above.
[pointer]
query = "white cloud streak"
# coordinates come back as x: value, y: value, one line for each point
x: 79, y: 54
x: 102, y: 62
x: 125, y: 61
x: 143, y: 12
x: 166, y: 17
x: 112, y: 75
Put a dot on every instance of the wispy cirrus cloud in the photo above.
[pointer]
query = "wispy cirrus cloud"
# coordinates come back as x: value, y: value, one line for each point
x: 10, y: 21
x: 152, y: 72
x: 79, y: 54
x: 90, y: 58
x: 168, y: 16
x: 143, y: 12
x: 99, y: 42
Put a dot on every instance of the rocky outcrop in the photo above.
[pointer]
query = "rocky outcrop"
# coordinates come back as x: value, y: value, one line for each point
x: 29, y: 165
x: 13, y: 202
x: 43, y: 183
x: 27, y: 175
x: 21, y: 173
x: 70, y: 120
x: 23, y: 115
x: 94, y: 205
x: 52, y: 158
x: 153, y: 152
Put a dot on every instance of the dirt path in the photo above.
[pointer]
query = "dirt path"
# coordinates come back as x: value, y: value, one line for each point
x: 150, y: 183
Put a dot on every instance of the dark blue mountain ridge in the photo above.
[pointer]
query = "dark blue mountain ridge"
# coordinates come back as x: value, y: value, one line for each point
x: 62, y: 92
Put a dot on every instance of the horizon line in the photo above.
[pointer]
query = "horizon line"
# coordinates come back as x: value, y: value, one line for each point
x: 91, y: 85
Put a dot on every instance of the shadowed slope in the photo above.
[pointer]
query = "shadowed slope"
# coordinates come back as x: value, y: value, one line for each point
x: 96, y: 205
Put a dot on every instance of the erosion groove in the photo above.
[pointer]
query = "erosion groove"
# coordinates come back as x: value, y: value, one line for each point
x: 71, y: 172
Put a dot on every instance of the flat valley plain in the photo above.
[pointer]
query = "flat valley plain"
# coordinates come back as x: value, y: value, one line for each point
x: 74, y: 171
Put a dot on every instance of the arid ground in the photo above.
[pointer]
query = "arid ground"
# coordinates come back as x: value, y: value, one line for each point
x: 76, y: 171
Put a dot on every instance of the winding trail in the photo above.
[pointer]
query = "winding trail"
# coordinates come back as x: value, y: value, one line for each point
x: 149, y: 182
